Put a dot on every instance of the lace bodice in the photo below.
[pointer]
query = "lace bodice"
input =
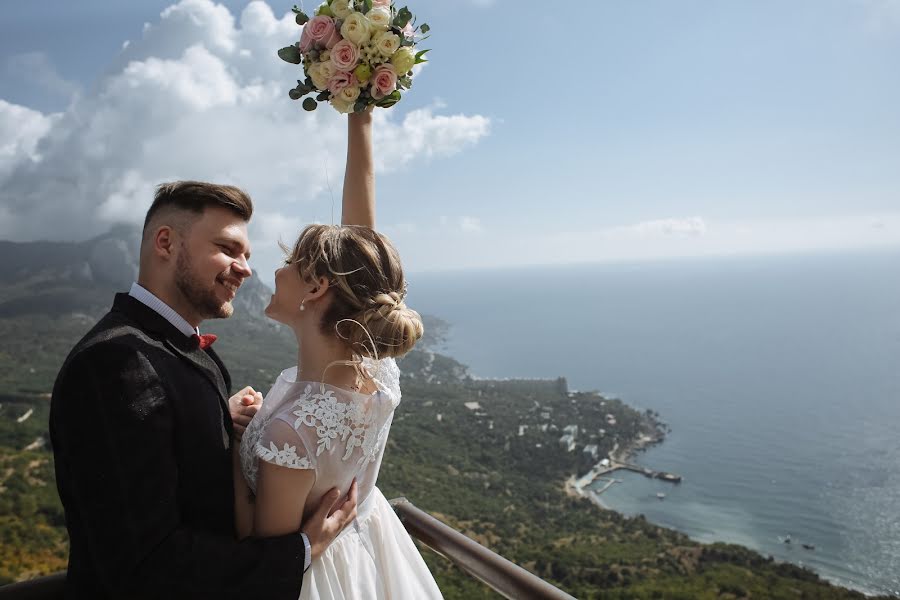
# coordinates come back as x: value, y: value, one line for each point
x: 339, y: 433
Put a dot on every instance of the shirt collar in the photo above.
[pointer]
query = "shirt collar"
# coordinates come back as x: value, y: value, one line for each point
x: 143, y: 295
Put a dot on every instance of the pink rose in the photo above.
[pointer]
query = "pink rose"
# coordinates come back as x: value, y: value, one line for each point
x: 381, y: 3
x: 345, y: 55
x: 384, y: 81
x: 341, y: 80
x: 408, y: 31
x: 306, y: 42
x: 322, y: 31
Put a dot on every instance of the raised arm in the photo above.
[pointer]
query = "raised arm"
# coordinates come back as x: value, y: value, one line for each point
x: 358, y: 206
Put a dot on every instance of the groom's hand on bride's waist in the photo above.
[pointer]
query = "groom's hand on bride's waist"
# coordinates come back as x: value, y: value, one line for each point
x: 243, y: 406
x: 332, y: 515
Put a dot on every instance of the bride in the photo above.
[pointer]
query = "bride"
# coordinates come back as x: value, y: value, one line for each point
x: 325, y: 422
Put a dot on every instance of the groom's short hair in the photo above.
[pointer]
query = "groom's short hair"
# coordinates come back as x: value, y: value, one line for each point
x: 197, y: 196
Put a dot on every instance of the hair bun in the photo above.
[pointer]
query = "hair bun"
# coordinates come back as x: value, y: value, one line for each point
x: 394, y: 327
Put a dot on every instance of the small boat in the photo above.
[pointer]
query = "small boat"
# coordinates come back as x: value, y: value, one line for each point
x: 660, y: 495
x: 787, y: 539
x: 808, y: 546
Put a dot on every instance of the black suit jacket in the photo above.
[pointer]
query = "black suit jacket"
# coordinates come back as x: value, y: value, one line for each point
x: 141, y: 434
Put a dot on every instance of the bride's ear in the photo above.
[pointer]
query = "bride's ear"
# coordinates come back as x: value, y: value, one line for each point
x: 318, y: 290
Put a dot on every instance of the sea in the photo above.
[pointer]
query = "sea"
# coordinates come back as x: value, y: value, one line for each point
x: 779, y: 377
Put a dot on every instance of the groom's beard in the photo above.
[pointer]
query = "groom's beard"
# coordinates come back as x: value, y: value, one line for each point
x: 203, y: 299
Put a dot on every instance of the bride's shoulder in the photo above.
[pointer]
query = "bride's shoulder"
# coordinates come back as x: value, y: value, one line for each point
x: 386, y: 375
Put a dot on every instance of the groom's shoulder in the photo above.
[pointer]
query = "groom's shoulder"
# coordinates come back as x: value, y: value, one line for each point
x: 115, y: 337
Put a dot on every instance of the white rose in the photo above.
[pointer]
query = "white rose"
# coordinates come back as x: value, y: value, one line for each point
x: 349, y: 94
x: 342, y: 106
x: 321, y: 73
x: 356, y: 28
x: 380, y: 18
x: 387, y: 43
x: 341, y: 9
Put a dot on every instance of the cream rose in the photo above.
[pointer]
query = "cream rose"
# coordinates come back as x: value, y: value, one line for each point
x: 356, y: 28
x: 380, y: 18
x: 321, y: 73
x: 387, y: 43
x: 342, y: 105
x: 341, y: 8
x: 349, y: 94
x: 403, y: 60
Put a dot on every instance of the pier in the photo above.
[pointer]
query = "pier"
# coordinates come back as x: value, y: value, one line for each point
x: 670, y: 477
x: 611, y: 465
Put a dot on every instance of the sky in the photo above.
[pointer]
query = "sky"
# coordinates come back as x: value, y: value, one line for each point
x: 539, y: 132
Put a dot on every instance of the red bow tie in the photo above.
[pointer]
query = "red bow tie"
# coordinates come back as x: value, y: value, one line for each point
x: 205, y: 340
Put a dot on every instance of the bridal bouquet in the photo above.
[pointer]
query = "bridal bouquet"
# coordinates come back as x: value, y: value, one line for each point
x: 355, y: 53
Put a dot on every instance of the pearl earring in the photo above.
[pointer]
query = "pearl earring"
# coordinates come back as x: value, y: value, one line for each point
x: 302, y: 308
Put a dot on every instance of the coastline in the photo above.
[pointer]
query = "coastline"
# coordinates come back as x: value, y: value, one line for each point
x: 579, y: 486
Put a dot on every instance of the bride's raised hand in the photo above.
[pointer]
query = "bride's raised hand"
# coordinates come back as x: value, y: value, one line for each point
x: 358, y: 206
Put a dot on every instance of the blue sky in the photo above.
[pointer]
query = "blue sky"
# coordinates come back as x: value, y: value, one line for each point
x: 538, y: 134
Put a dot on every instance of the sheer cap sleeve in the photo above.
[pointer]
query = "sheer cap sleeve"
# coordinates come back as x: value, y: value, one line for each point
x: 281, y: 444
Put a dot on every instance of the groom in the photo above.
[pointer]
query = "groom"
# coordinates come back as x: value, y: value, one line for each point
x: 143, y: 429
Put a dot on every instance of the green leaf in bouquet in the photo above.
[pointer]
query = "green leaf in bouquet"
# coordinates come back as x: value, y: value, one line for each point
x: 404, y: 16
x: 367, y: 6
x: 301, y: 19
x: 290, y: 54
x: 419, y: 56
x: 324, y: 96
x: 405, y: 81
x: 324, y: 10
x: 389, y: 100
x: 295, y: 94
x: 424, y: 28
x: 310, y: 104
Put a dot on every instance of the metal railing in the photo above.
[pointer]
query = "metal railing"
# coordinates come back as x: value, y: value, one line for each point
x: 51, y: 587
x: 504, y: 577
x: 501, y: 575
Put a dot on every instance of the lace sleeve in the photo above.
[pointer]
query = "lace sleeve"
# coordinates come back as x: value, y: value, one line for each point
x: 387, y: 377
x: 280, y: 444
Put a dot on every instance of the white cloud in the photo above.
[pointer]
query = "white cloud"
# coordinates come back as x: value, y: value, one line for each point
x: 691, y: 226
x: 626, y: 243
x: 20, y: 131
x: 201, y: 96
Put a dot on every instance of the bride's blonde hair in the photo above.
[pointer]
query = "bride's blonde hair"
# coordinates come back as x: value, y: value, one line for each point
x: 368, y: 308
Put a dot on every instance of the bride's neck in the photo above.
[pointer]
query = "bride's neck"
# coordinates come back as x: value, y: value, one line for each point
x: 316, y: 352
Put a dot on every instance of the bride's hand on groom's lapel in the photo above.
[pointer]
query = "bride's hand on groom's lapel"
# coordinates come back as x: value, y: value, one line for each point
x: 243, y: 406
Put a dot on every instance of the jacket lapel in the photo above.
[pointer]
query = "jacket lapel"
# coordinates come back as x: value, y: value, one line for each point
x: 188, y: 349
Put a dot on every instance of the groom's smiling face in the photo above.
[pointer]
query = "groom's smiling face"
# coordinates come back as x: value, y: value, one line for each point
x: 212, y: 263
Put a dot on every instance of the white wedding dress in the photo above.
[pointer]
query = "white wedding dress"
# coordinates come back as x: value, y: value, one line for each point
x: 341, y: 434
